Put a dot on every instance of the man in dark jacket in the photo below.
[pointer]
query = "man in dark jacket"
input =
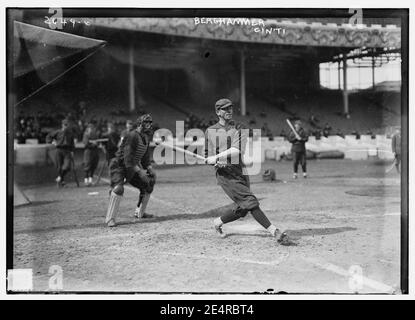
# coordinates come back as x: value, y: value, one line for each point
x: 111, y: 146
x: 298, y: 148
x: 396, y: 148
x: 63, y: 139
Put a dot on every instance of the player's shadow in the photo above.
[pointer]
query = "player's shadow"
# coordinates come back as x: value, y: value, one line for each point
x: 296, y: 234
x: 123, y: 222
x: 213, y: 213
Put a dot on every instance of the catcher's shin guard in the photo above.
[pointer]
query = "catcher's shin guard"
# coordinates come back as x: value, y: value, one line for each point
x: 113, y: 206
x: 144, y: 198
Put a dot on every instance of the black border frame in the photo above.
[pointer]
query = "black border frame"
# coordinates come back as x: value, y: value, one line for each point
x: 402, y: 14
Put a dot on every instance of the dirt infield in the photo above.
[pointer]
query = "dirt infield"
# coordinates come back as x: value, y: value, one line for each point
x: 345, y: 218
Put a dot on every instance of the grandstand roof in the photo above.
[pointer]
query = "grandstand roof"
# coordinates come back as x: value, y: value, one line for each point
x: 272, y: 31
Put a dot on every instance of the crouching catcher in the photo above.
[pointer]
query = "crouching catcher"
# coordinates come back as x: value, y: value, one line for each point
x: 132, y: 165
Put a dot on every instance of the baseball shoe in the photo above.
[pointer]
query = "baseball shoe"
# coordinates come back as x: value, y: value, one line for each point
x: 295, y: 176
x: 283, y: 238
x: 305, y: 175
x: 145, y: 215
x: 58, y: 181
x: 219, y: 230
x: 111, y: 223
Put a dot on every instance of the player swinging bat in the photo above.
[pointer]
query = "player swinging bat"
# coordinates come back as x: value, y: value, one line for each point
x: 232, y: 143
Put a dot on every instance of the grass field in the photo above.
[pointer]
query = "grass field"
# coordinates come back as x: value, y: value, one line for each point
x: 345, y: 218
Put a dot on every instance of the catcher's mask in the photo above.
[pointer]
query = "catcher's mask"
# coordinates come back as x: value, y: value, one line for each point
x: 269, y: 175
x: 145, y: 122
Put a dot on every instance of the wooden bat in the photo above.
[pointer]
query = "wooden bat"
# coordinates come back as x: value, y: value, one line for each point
x: 293, y: 129
x: 175, y: 148
x: 101, y: 171
x: 391, y: 166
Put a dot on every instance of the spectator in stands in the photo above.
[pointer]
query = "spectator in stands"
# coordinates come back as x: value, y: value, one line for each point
x: 252, y: 121
x: 266, y: 131
x: 317, y: 133
x: 327, y: 130
x: 313, y: 120
x: 356, y: 133
x: 340, y: 133
x: 263, y: 114
x: 21, y: 139
x: 370, y: 133
x: 283, y: 133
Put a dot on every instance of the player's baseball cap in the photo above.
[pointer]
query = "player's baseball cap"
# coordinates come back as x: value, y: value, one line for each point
x: 65, y: 122
x: 298, y: 122
x: 222, y: 103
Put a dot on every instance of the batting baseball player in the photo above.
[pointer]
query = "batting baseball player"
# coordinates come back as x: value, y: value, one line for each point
x: 63, y: 139
x: 225, y: 145
x: 91, y: 152
x: 132, y: 164
x: 298, y: 148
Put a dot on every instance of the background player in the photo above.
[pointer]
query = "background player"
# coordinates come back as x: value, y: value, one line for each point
x: 63, y: 139
x: 298, y: 149
x: 396, y: 148
x: 132, y: 164
x: 91, y: 152
x: 229, y: 174
x: 111, y: 146
x: 129, y: 126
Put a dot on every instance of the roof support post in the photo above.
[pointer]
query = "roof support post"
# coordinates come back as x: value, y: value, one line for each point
x: 131, y: 78
x: 345, y: 93
x: 242, y: 84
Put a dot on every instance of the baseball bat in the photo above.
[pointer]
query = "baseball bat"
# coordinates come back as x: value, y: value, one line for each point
x: 101, y: 171
x: 391, y: 166
x: 293, y: 129
x: 176, y: 148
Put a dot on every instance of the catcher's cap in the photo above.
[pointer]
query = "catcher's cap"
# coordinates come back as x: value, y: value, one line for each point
x: 223, y: 103
x: 269, y: 175
x: 144, y: 118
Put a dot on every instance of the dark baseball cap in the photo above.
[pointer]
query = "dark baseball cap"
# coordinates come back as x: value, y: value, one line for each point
x: 65, y: 122
x: 223, y: 103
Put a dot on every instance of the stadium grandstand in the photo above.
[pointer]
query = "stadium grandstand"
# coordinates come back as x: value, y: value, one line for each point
x: 176, y: 68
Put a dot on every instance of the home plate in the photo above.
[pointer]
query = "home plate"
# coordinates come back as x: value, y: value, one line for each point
x: 93, y: 193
